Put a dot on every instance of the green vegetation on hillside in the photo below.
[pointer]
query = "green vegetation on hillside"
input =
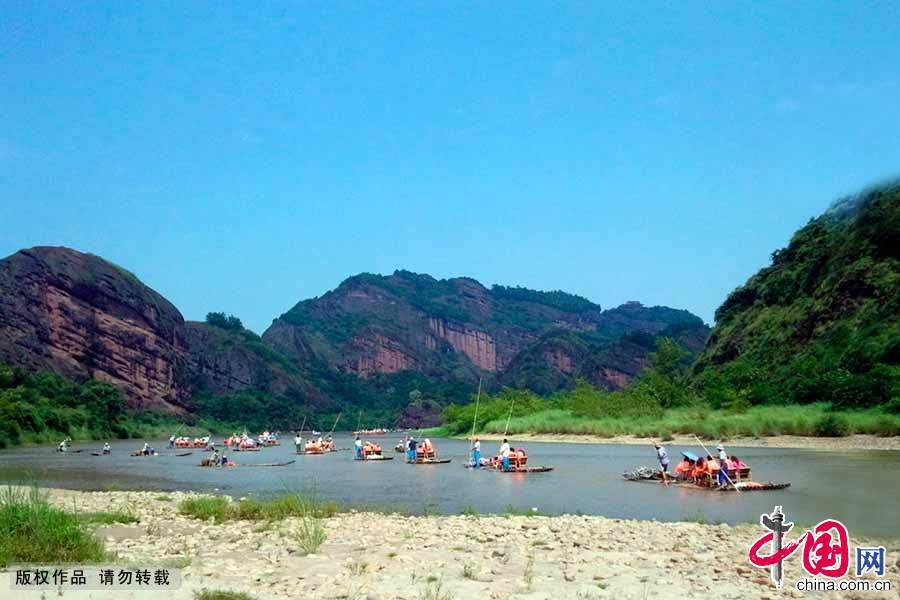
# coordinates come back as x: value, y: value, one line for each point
x: 822, y: 322
x: 661, y: 402
x: 223, y: 321
x: 45, y: 407
x: 557, y: 299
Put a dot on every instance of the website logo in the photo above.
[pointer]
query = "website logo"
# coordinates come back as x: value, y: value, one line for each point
x: 825, y: 552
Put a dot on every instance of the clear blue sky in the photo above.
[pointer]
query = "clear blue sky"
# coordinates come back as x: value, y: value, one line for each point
x: 243, y: 156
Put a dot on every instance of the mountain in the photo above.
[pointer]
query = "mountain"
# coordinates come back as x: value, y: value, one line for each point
x: 459, y: 330
x: 83, y: 317
x: 399, y: 346
x: 822, y: 322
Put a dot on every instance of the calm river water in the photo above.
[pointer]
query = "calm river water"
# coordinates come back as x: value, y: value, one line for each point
x: 859, y: 488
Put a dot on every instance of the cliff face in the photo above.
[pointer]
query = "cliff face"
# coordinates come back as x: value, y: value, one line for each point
x: 83, y: 317
x: 223, y: 362
x: 457, y: 329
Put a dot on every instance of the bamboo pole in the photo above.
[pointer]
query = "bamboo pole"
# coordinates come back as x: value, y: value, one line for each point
x: 477, y: 401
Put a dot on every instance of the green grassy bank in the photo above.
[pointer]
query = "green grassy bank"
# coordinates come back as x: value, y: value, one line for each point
x: 816, y: 420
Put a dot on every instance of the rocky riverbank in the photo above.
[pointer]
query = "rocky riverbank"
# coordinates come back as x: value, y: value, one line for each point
x: 373, y: 556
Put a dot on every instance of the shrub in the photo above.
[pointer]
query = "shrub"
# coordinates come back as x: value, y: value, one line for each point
x: 832, y: 425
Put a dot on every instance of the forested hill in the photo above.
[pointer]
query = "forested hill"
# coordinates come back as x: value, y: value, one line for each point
x: 822, y: 322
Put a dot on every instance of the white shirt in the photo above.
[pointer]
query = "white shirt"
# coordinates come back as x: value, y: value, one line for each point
x: 723, y: 455
x: 359, y: 443
x: 477, y: 445
x: 298, y: 440
x: 504, y: 450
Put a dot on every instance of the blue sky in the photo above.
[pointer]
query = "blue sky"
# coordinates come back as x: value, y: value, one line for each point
x: 243, y: 156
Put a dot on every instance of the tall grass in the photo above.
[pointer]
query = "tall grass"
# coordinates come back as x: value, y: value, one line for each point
x: 34, y: 532
x: 310, y: 533
x: 759, y: 421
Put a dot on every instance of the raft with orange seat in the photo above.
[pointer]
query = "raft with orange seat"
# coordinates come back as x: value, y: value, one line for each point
x: 372, y: 451
x: 518, y: 460
x: 208, y: 462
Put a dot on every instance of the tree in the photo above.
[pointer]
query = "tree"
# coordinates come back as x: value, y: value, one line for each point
x: 223, y: 321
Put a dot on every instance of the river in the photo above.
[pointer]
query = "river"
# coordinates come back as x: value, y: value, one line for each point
x: 859, y: 488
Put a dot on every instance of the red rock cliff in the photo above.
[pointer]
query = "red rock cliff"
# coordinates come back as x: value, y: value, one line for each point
x: 83, y: 317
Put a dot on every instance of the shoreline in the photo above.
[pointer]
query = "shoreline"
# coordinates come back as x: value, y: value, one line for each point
x: 374, y: 556
x: 860, y: 442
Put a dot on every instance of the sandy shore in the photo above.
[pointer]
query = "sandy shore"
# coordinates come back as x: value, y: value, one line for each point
x: 852, y: 442
x: 376, y: 557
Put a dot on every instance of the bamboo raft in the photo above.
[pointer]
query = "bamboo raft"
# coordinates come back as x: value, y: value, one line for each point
x: 741, y: 486
x: 207, y: 464
x: 540, y: 469
x: 429, y: 461
x: 377, y: 457
x: 279, y: 464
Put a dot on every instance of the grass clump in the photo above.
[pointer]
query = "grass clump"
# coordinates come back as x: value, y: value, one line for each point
x: 34, y: 532
x: 512, y: 511
x: 221, y: 595
x: 435, y: 590
x: 221, y: 509
x: 310, y: 534
x: 107, y: 517
x: 217, y: 508
x: 468, y: 571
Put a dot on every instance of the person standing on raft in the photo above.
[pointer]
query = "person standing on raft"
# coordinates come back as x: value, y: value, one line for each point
x: 410, y: 450
x: 476, y: 452
x: 359, y: 445
x: 504, y: 454
x: 663, y: 457
x: 722, y: 478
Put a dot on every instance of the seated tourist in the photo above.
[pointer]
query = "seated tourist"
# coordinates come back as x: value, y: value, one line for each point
x: 684, y: 469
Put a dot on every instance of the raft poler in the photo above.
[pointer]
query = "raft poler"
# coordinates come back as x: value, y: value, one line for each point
x: 107, y: 449
x: 476, y: 452
x: 298, y: 442
x: 359, y: 447
x: 504, y: 454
